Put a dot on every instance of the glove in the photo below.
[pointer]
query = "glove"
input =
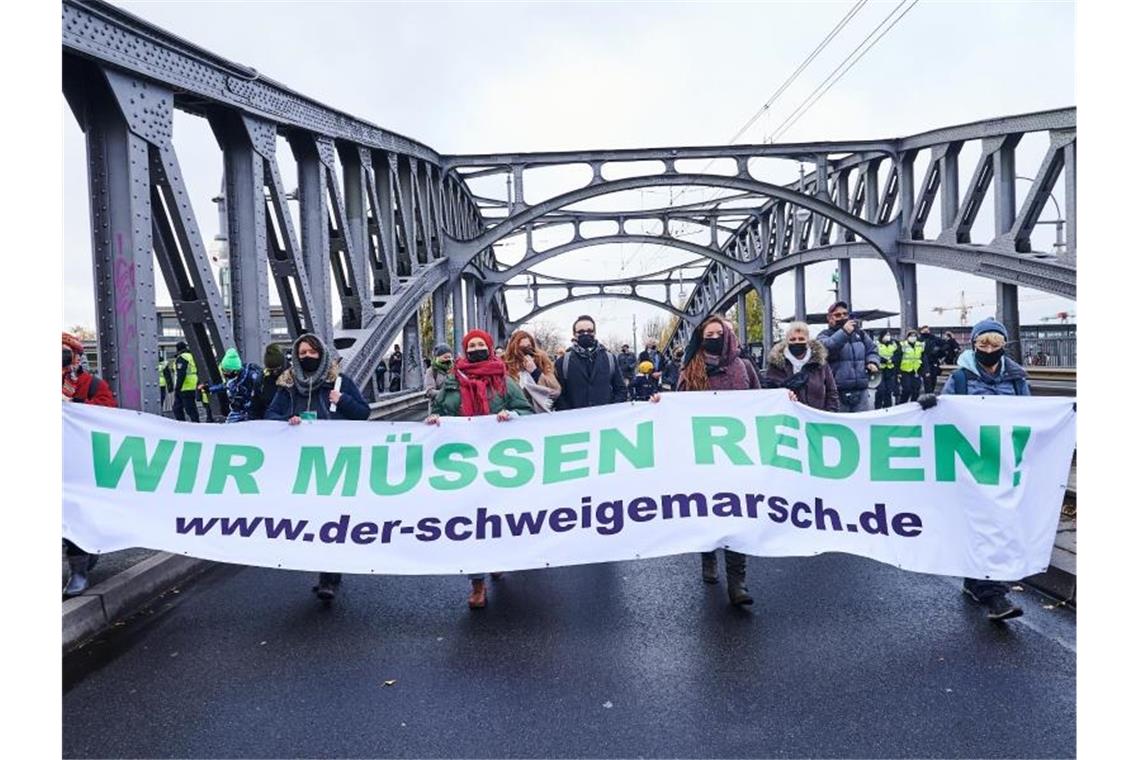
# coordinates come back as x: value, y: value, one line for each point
x: 927, y: 401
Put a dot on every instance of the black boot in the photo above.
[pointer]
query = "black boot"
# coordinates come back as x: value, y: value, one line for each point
x: 734, y: 567
x: 77, y: 582
x: 327, y: 585
x: 708, y: 567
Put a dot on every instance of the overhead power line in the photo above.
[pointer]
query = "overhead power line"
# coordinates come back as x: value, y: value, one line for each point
x: 799, y: 69
x: 846, y: 64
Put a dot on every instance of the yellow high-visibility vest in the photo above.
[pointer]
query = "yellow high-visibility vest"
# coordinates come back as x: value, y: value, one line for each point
x: 190, y: 382
x: 885, y: 353
x: 911, y: 356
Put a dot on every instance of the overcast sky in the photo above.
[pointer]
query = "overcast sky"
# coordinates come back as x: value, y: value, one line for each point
x: 475, y: 78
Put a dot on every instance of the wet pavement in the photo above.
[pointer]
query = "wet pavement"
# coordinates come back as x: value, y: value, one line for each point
x: 840, y: 657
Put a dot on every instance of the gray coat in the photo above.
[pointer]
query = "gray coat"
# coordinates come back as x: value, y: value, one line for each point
x: 848, y: 356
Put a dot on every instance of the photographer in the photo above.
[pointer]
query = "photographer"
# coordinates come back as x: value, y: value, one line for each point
x: 852, y: 356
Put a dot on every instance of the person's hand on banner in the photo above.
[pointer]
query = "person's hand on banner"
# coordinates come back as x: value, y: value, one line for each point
x: 655, y: 398
x: 792, y: 396
x: 927, y: 401
x: 294, y: 420
x: 504, y: 415
x: 69, y: 389
x: 432, y: 419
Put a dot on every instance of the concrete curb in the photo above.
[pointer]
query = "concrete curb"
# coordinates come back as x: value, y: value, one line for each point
x: 100, y: 606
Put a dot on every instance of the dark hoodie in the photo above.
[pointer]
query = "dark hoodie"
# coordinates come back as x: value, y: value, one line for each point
x: 298, y: 391
x: 813, y: 385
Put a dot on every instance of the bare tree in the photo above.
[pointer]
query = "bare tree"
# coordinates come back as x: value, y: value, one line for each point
x: 548, y: 335
x: 654, y: 329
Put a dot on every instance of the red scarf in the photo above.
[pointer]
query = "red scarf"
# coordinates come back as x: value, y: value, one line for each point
x: 474, y: 377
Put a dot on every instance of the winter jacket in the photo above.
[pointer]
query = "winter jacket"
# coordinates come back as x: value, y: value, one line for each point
x: 290, y: 401
x: 968, y: 380
x: 671, y: 374
x: 642, y: 387
x: 433, y: 382
x: 933, y: 352
x: 848, y: 356
x: 242, y: 392
x: 814, y: 385
x: 446, y: 403
x: 656, y: 358
x: 266, y: 392
x: 732, y: 372
x: 85, y: 388
x: 592, y: 379
x: 628, y: 364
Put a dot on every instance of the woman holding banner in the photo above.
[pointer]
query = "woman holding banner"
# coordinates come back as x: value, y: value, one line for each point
x: 986, y: 371
x: 712, y: 362
x: 313, y: 389
x: 799, y: 364
x: 530, y: 367
x: 479, y: 384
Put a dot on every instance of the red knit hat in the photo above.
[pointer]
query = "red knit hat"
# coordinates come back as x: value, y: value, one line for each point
x: 74, y: 343
x: 476, y: 333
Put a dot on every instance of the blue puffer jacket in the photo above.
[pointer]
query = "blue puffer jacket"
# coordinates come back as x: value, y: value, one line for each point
x: 848, y: 356
x: 968, y: 380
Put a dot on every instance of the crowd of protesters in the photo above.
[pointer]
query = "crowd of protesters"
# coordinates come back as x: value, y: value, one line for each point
x: 844, y: 369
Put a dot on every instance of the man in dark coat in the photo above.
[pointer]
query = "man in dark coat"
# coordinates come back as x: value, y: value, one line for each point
x: 932, y: 356
x: 588, y: 373
x: 628, y: 364
x: 852, y: 356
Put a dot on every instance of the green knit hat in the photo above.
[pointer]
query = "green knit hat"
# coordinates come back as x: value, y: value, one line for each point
x: 231, y: 362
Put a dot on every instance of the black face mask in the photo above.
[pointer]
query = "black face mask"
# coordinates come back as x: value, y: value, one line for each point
x: 478, y: 355
x: 989, y: 358
x: 68, y: 357
x: 529, y: 351
x: 585, y: 340
x: 798, y: 349
x: 310, y: 363
x: 713, y: 345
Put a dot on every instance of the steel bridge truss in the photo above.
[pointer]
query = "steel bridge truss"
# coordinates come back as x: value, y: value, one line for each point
x: 396, y: 228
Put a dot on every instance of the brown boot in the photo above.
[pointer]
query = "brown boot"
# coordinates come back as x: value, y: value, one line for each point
x: 478, y: 598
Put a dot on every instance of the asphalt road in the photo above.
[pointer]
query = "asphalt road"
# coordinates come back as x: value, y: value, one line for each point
x: 840, y: 657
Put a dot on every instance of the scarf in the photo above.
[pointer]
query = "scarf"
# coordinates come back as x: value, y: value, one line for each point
x: 797, y: 364
x: 474, y: 379
x: 307, y: 383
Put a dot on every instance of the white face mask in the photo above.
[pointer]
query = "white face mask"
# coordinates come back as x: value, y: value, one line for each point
x: 912, y: 339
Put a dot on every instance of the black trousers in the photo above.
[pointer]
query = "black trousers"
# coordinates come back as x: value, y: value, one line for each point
x: 888, y: 389
x: 185, y: 405
x: 911, y: 386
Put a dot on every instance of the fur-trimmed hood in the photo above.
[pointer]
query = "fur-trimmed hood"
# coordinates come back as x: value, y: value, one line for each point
x: 286, y: 378
x: 817, y: 353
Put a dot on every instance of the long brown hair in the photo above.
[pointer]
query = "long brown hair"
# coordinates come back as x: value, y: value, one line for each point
x: 695, y: 374
x: 514, y: 357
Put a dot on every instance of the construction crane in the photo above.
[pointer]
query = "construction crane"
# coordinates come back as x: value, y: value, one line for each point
x: 962, y: 307
x: 1062, y: 316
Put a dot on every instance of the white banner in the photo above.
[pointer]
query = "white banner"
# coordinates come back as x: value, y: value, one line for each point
x: 972, y: 487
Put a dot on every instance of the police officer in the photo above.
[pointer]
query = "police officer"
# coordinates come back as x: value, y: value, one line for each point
x: 185, y: 384
x: 910, y: 367
x: 891, y: 354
